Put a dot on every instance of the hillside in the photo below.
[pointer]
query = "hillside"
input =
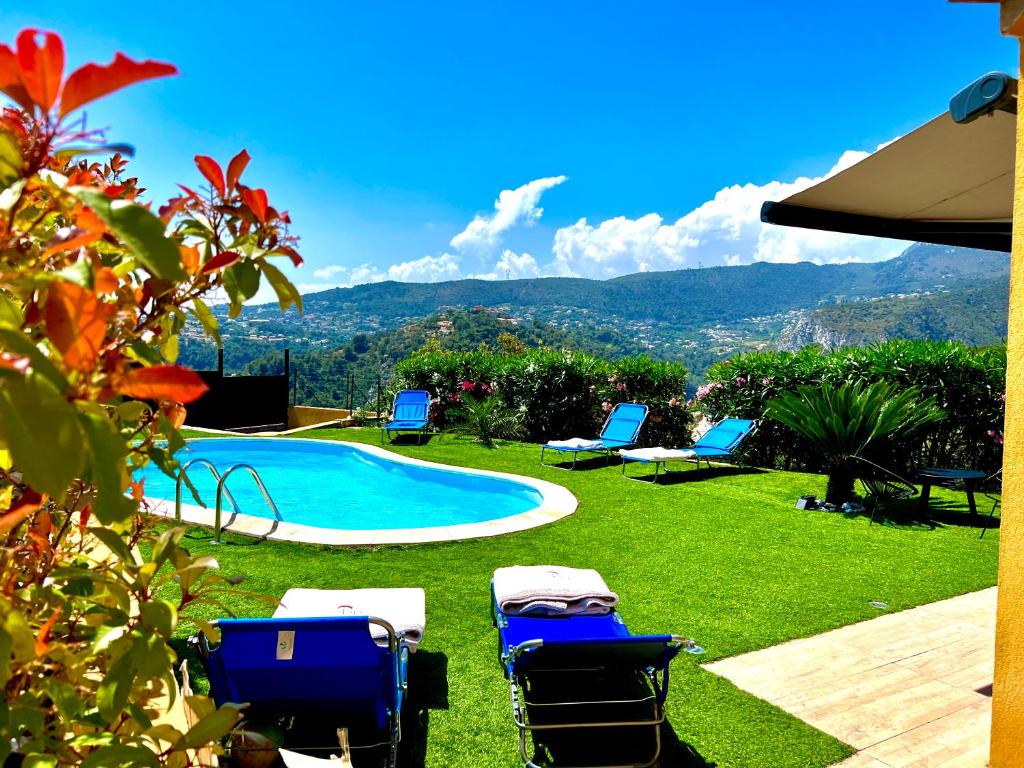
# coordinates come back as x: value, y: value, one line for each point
x: 322, y: 375
x: 975, y: 316
x: 695, y: 315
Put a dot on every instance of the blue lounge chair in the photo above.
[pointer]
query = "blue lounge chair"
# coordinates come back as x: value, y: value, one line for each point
x: 312, y: 667
x: 620, y: 430
x: 720, y: 442
x: 409, y: 415
x: 574, y: 657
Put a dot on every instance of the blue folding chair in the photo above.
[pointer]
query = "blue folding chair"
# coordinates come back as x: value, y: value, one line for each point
x: 571, y: 655
x: 409, y: 415
x: 312, y: 668
x: 620, y: 430
x: 723, y: 440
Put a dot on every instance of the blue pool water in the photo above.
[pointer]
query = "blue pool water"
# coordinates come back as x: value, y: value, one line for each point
x: 333, y: 485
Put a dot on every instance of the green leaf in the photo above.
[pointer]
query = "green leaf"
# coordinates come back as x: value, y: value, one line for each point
x: 113, y: 541
x: 141, y: 231
x: 15, y: 341
x: 159, y: 615
x: 107, y: 469
x: 10, y: 315
x: 241, y: 281
x: 42, y: 432
x: 10, y: 160
x: 206, y: 319
x: 211, y: 728
x: 287, y: 294
x: 112, y: 694
x: 37, y: 760
x: 120, y: 756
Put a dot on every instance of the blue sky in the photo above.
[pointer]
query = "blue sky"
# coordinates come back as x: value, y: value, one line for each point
x: 390, y: 130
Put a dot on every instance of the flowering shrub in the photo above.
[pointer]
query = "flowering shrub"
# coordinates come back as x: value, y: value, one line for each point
x: 94, y: 288
x: 559, y: 393
x: 968, y: 384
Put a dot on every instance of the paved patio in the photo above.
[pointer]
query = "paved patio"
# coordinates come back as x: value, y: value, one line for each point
x: 906, y: 689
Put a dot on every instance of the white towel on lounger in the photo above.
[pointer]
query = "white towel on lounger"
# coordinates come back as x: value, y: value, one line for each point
x: 403, y: 608
x: 659, y: 454
x: 549, y: 590
x: 576, y: 444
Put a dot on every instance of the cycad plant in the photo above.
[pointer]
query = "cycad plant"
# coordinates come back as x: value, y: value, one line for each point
x: 487, y: 418
x: 841, y: 422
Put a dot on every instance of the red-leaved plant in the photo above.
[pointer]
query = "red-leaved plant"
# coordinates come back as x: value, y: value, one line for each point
x: 94, y: 287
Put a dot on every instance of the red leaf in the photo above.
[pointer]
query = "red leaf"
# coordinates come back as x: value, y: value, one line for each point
x: 190, y: 193
x: 212, y: 171
x: 236, y: 166
x: 292, y: 254
x: 10, y: 78
x: 220, y: 261
x: 29, y: 502
x: 256, y: 200
x: 41, y: 67
x: 105, y: 280
x: 43, y: 638
x: 76, y: 322
x: 189, y: 258
x: 92, y: 81
x: 163, y: 382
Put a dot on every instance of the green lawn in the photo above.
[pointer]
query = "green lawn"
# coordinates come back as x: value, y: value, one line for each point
x: 725, y: 559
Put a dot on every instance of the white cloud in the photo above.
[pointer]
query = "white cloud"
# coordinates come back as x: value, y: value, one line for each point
x: 725, y: 230
x: 329, y: 271
x: 512, y: 266
x: 512, y: 207
x: 428, y: 269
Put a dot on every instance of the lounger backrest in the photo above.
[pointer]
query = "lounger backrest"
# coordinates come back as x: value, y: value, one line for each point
x: 726, y: 435
x: 624, y: 423
x: 412, y: 405
x: 636, y: 652
x: 303, y: 665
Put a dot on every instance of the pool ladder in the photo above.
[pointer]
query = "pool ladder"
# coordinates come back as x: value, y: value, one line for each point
x: 222, y: 491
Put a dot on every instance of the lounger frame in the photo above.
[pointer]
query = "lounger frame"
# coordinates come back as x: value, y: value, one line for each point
x: 400, y: 654
x: 661, y: 465
x: 653, y: 704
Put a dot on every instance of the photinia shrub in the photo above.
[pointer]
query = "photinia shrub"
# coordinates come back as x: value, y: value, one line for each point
x: 95, y: 285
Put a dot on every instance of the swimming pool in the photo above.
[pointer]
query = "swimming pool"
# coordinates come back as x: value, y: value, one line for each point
x: 349, y: 493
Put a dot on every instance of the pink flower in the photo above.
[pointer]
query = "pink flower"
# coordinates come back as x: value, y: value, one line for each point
x: 673, y: 402
x: 741, y: 381
x: 620, y: 387
x: 606, y: 406
x: 768, y: 381
x: 467, y: 386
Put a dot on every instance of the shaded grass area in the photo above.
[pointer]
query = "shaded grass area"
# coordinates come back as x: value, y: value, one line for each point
x: 723, y: 558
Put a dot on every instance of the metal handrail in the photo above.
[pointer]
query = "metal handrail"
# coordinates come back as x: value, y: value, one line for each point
x: 221, y: 490
x: 181, y: 477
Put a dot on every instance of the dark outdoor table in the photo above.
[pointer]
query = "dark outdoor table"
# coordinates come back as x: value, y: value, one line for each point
x: 940, y: 475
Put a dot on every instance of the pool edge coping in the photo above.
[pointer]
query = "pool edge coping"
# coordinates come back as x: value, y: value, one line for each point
x: 557, y: 502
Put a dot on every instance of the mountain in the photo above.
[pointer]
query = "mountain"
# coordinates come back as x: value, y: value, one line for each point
x: 694, y: 315
x: 322, y: 375
x: 975, y: 316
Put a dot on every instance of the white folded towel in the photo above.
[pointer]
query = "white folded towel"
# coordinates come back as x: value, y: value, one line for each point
x: 405, y: 609
x: 659, y: 454
x: 576, y: 444
x: 549, y: 590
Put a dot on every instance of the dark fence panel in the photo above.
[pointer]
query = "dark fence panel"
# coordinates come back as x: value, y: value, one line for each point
x: 241, y: 402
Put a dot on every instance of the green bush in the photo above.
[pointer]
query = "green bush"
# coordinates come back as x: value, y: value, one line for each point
x: 559, y: 393
x: 968, y: 384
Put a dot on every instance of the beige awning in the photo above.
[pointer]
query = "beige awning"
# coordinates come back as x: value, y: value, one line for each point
x: 946, y: 182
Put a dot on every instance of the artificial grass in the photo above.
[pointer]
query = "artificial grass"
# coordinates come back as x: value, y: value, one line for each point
x: 725, y: 559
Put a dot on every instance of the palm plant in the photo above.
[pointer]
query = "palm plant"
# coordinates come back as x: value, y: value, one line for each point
x: 487, y: 418
x: 841, y: 422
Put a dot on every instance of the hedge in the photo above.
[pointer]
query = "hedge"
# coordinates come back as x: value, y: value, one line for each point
x: 968, y: 383
x: 560, y: 393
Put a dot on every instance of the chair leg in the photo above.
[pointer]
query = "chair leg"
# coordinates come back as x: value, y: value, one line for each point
x: 991, y: 516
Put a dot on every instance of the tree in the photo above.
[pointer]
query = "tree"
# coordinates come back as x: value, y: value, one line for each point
x: 842, y: 422
x: 510, y: 344
x: 94, y: 288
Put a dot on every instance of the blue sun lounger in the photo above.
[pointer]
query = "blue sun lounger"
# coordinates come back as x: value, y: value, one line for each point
x: 620, y: 430
x: 312, y: 667
x: 601, y: 676
x: 722, y: 441
x: 410, y: 413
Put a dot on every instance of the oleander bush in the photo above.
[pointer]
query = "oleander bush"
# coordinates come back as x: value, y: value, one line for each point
x: 559, y: 393
x: 967, y: 383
